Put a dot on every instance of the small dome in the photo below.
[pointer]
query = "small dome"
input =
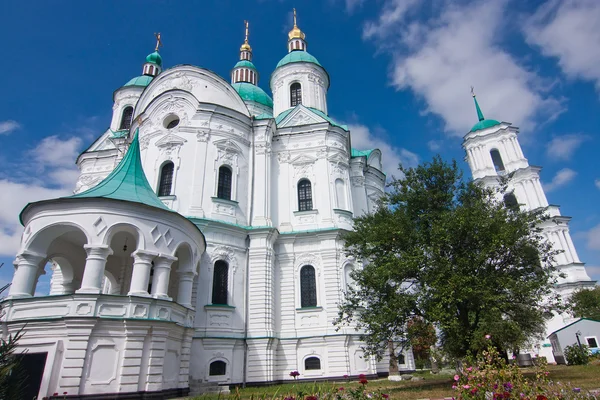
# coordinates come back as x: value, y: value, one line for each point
x: 154, y: 58
x: 250, y: 92
x: 245, y: 47
x: 486, y: 123
x: 298, y: 56
x: 244, y: 63
x: 142, y: 81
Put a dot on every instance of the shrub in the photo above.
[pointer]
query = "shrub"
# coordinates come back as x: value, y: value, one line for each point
x: 577, y: 355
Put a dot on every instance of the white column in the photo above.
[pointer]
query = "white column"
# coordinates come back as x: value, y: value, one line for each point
x: 93, y: 274
x: 571, y: 246
x: 565, y: 246
x: 184, y: 291
x: 142, y: 263
x: 162, y: 272
x: 26, y: 273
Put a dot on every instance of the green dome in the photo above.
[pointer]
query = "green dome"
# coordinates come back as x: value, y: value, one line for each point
x: 298, y: 56
x: 486, y: 123
x: 244, y: 63
x: 250, y: 92
x: 143, y: 81
x: 154, y: 58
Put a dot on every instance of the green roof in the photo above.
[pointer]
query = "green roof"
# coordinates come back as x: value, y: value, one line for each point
x: 143, y: 81
x: 244, y: 63
x: 361, y: 153
x: 119, y: 134
x: 154, y: 58
x: 127, y: 182
x: 298, y: 56
x: 250, y: 92
x: 320, y: 113
x: 263, y: 116
x: 483, y: 123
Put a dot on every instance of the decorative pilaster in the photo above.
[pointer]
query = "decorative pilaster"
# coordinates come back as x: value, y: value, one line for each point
x: 26, y: 265
x: 140, y: 277
x: 162, y: 272
x: 95, y: 263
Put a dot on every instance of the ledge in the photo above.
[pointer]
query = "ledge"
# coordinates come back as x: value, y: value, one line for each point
x: 172, y: 197
x: 220, y: 306
x: 225, y: 201
x: 309, y: 309
x: 307, y: 212
x: 345, y: 212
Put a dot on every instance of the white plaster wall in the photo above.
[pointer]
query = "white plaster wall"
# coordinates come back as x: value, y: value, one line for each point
x: 314, y: 81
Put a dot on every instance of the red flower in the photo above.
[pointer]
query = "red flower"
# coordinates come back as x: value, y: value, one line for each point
x: 294, y: 374
x: 473, y: 391
x: 363, y: 381
x: 385, y: 396
x: 541, y: 397
x: 506, y: 395
x: 362, y: 376
x: 311, y: 398
x: 340, y: 389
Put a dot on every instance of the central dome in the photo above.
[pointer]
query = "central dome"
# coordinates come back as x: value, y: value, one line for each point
x: 298, y: 56
x: 250, y: 92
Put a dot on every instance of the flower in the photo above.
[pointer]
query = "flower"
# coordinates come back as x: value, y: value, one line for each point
x: 466, y: 386
x: 385, y: 396
x: 470, y: 369
x: 345, y: 376
x: 289, y: 398
x: 488, y: 337
x: 506, y: 395
x: 361, y: 376
x: 454, y: 387
x: 363, y: 381
x: 311, y: 398
x: 577, y: 390
x: 340, y: 389
x: 508, y: 386
x: 541, y: 397
x: 294, y: 374
x: 473, y: 391
x: 456, y: 377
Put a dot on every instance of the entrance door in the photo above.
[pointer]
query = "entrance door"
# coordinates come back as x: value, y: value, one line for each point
x: 33, y: 365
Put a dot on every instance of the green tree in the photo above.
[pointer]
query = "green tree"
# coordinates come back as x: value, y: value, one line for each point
x: 585, y: 303
x: 448, y: 251
x: 13, y: 378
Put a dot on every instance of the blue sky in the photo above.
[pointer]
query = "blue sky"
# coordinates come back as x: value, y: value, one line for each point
x: 400, y: 77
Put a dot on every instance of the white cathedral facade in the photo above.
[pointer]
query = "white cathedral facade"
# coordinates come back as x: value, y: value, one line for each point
x: 204, y: 239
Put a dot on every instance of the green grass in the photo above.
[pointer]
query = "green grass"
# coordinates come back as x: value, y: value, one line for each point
x: 434, y: 386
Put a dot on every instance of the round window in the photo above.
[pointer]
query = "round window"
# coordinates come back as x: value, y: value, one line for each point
x: 171, y: 121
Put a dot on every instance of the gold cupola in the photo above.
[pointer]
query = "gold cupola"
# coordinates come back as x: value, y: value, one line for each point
x: 296, y: 38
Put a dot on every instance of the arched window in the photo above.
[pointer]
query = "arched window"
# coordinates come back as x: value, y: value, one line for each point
x: 217, y: 368
x: 312, y: 363
x: 340, y: 194
x: 497, y: 160
x: 304, y: 195
x: 401, y: 358
x: 295, y: 94
x: 224, y: 185
x: 166, y: 179
x: 510, y: 201
x: 220, y: 275
x: 308, y: 287
x: 126, y: 118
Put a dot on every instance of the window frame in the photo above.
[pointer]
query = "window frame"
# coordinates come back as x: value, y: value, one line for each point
x: 220, y: 362
x: 295, y: 94
x: 223, y: 286
x: 308, y: 289
x: 161, y: 184
x: 497, y: 167
x: 221, y: 189
x: 595, y: 339
x: 312, y: 357
x: 305, y: 198
x: 123, y: 124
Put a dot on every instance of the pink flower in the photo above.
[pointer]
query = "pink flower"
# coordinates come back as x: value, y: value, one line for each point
x: 456, y: 377
x: 488, y: 336
x: 470, y: 369
x: 466, y: 386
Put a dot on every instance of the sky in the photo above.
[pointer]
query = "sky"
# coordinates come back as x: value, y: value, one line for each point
x: 401, y: 72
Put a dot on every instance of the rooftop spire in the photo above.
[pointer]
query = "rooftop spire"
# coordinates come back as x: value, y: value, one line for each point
x: 479, y: 113
x: 296, y: 37
x: 245, y: 48
x: 158, y: 41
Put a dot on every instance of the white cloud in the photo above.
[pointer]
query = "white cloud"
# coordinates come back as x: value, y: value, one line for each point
x: 593, y: 238
x: 439, y: 58
x: 434, y: 145
x: 352, y: 5
x: 563, y: 147
x: 569, y: 31
x: 597, y: 183
x: 9, y: 126
x: 53, y: 151
x: 363, y: 139
x: 561, y: 178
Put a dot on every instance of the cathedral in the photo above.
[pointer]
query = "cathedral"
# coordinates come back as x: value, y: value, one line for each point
x: 203, y: 242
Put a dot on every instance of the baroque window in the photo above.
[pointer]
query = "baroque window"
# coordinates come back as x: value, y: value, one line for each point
x: 304, y: 195
x: 166, y: 179
x: 295, y: 94
x: 224, y: 184
x: 220, y: 277
x: 217, y: 368
x: 126, y: 118
x: 312, y: 363
x: 497, y: 160
x: 308, y: 287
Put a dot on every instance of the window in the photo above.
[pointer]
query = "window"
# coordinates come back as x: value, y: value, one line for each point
x: 340, y: 194
x: 308, y: 287
x: 126, y: 118
x: 497, y: 160
x: 166, y: 179
x: 171, y: 121
x: 401, y: 358
x: 217, y: 368
x: 510, y: 201
x: 591, y: 342
x: 295, y: 94
x: 304, y: 195
x: 219, y: 292
x: 312, y: 363
x: 224, y: 185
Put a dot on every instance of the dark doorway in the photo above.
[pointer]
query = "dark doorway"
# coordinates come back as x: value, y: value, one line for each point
x: 33, y: 367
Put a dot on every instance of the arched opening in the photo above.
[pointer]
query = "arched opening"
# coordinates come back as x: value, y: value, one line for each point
x: 348, y: 281
x: 217, y: 368
x: 224, y: 183
x: 340, y: 194
x: 312, y: 363
x: 183, y: 265
x: 497, y: 160
x: 510, y: 201
x: 123, y: 241
x: 126, y: 117
x: 295, y: 94
x: 304, y: 195
x: 166, y: 179
x: 308, y: 287
x: 220, y: 282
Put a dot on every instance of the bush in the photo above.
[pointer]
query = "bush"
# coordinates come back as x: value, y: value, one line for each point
x: 577, y: 355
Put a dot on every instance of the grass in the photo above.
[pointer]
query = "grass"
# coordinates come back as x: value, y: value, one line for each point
x: 433, y: 386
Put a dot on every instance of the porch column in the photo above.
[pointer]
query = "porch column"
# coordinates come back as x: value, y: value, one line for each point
x: 162, y: 272
x: 184, y: 291
x: 26, y: 274
x: 142, y: 264
x: 93, y: 274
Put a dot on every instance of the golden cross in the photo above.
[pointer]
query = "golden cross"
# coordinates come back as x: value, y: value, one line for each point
x: 294, y: 17
x: 159, y: 42
x: 472, y: 91
x: 246, y: 40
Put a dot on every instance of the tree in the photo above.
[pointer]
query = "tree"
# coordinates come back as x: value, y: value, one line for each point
x: 449, y: 252
x: 13, y: 378
x: 585, y: 303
